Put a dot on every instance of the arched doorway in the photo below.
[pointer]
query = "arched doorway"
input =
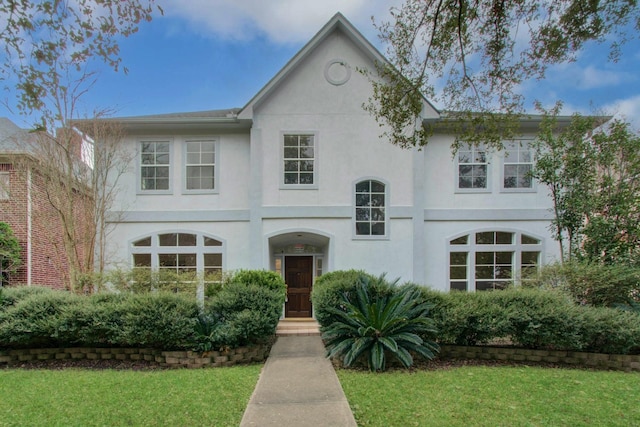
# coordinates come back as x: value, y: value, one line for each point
x: 300, y: 257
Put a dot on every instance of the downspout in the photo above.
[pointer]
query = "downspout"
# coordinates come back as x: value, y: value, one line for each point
x: 29, y: 229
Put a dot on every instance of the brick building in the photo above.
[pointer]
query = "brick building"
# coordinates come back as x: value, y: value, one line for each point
x: 25, y: 207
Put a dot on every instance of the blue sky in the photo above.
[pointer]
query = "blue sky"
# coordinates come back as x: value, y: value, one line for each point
x: 213, y: 54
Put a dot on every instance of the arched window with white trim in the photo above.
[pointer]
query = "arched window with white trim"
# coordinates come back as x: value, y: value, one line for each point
x: 370, y: 216
x: 181, y: 252
x: 488, y: 260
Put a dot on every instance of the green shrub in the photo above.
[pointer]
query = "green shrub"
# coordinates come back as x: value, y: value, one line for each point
x: 162, y: 320
x: 593, y: 284
x: 144, y: 280
x: 541, y: 319
x: 372, y: 326
x: 609, y: 330
x: 264, y: 278
x: 329, y: 289
x: 471, y: 318
x: 247, y: 313
x: 33, y: 321
x: 12, y: 294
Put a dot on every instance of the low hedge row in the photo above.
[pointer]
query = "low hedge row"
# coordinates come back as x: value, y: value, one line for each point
x: 245, y: 311
x: 528, y: 318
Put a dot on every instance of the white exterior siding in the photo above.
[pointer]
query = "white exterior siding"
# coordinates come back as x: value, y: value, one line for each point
x: 261, y: 220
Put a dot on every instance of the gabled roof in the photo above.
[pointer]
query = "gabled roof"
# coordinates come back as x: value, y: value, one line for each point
x: 227, y: 118
x: 337, y: 23
x: 10, y: 137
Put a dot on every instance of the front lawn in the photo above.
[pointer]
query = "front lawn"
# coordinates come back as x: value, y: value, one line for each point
x: 493, y: 396
x: 211, y: 397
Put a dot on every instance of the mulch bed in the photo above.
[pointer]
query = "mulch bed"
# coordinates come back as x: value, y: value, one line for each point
x: 131, y: 365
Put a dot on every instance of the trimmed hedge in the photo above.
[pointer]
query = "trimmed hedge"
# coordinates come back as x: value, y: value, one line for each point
x: 532, y: 318
x: 522, y: 317
x: 241, y: 313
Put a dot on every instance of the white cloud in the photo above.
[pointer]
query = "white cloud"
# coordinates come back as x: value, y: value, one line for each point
x: 591, y: 77
x: 281, y: 21
x: 627, y: 109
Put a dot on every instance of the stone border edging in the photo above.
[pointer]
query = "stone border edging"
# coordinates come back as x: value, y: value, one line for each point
x: 618, y: 362
x: 165, y: 359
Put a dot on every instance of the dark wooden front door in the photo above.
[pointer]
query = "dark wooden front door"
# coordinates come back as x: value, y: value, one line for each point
x: 298, y: 273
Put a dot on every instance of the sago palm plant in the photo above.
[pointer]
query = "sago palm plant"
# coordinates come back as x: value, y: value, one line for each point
x: 374, y: 326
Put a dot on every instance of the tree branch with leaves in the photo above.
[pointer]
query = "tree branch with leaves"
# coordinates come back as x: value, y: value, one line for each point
x: 470, y: 56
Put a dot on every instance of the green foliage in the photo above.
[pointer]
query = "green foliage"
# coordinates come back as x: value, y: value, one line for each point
x: 263, y: 278
x: 471, y: 58
x: 11, y: 295
x: 592, y: 177
x: 144, y: 280
x: 46, y: 41
x: 242, y: 314
x: 33, y: 320
x: 532, y: 318
x: 328, y: 290
x: 470, y: 318
x: 374, y: 326
x: 590, y: 283
x: 158, y: 321
x: 609, y: 330
x: 238, y: 314
x: 10, y: 252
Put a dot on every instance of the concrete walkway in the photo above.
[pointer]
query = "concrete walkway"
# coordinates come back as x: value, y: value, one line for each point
x: 298, y: 387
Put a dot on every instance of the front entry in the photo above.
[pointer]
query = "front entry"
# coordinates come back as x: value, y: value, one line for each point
x: 298, y: 274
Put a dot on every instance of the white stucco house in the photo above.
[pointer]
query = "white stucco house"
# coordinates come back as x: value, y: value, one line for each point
x: 299, y: 181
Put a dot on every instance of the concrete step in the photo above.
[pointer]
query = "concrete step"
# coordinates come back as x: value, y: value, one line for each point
x: 297, y: 327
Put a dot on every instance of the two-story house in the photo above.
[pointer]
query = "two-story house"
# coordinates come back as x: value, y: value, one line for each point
x: 299, y: 181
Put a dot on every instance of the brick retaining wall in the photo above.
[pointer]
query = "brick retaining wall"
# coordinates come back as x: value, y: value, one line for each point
x: 617, y: 362
x: 166, y: 359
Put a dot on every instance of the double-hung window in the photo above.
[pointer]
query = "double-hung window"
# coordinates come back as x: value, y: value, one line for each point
x: 473, y: 168
x: 155, y: 166
x: 300, y: 162
x: 200, y: 165
x: 518, y: 166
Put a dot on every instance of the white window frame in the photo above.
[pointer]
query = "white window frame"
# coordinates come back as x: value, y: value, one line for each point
x: 487, y: 163
x: 314, y: 185
x: 154, y: 250
x: 5, y: 185
x: 471, y: 248
x: 216, y: 167
x: 520, y: 145
x: 140, y: 166
x: 386, y: 221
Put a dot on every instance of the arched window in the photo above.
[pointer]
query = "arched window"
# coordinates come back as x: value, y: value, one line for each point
x: 486, y: 260
x: 178, y: 251
x: 370, y: 208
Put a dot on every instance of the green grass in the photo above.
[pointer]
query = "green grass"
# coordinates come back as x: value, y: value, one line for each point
x: 494, y: 396
x: 203, y: 397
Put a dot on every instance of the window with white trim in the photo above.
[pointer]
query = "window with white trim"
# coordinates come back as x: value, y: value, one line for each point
x: 155, y: 165
x: 5, y: 181
x: 488, y: 260
x: 299, y: 156
x: 370, y: 209
x: 200, y: 165
x: 179, y: 252
x: 473, y: 167
x: 517, y: 166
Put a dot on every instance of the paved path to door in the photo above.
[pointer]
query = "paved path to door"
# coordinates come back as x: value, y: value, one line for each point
x: 298, y: 387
